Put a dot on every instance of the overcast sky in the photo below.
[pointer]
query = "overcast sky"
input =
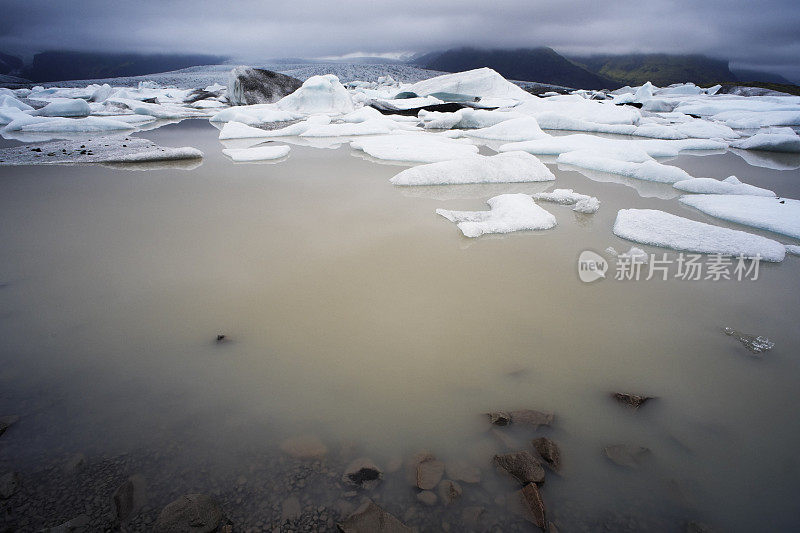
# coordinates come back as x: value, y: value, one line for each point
x: 756, y: 34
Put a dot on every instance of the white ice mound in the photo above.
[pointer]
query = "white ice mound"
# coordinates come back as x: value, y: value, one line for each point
x: 415, y: 147
x: 64, y: 107
x: 658, y: 228
x: 619, y: 163
x: 66, y: 125
x: 508, y: 212
x: 509, y: 167
x: 466, y: 118
x: 771, y: 142
x: 516, y: 129
x: 255, y: 114
x: 780, y: 215
x: 319, y: 94
x: 258, y: 153
x: 482, y: 82
x: 793, y: 249
x: 730, y: 185
x: 582, y: 203
x: 582, y: 141
x: 376, y: 126
x: 7, y: 100
x: 238, y: 130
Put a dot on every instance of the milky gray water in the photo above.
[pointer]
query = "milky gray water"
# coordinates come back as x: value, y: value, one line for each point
x: 356, y: 314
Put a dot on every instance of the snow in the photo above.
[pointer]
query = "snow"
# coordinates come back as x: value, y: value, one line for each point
x: 318, y: 94
x: 730, y: 185
x: 772, y: 142
x: 414, y: 147
x: 582, y: 203
x: 481, y: 82
x: 780, y: 215
x: 658, y: 228
x: 508, y: 212
x: 648, y: 170
x: 509, y: 167
x: 258, y: 153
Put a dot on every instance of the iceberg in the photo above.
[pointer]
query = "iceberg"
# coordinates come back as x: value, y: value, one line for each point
x: 64, y: 107
x: 414, y: 147
x: 258, y: 153
x: 481, y: 82
x: 248, y: 85
x: 648, y: 170
x: 730, y: 185
x: 368, y: 127
x: 582, y: 141
x: 515, y: 129
x: 238, y: 130
x: 658, y: 228
x: 508, y: 213
x: 10, y: 101
x: 771, y: 142
x: 255, y: 114
x: 779, y: 215
x: 61, y: 124
x: 582, y: 203
x: 319, y: 94
x: 509, y: 167
x: 466, y: 118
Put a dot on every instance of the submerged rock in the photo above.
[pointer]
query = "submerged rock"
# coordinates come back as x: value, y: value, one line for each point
x: 499, y: 418
x: 631, y: 400
x: 248, y: 86
x: 290, y: 509
x: 371, y: 518
x: 529, y: 504
x: 425, y: 471
x: 755, y: 344
x: 463, y: 471
x: 523, y: 466
x: 473, y: 518
x: 129, y: 498
x: 362, y: 473
x: 304, y: 447
x: 449, y: 491
x: 192, y: 513
x: 627, y: 455
x: 531, y: 418
x: 549, y: 452
x: 427, y: 497
x: 9, y: 484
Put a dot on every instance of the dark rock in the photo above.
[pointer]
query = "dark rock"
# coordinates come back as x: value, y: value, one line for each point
x: 631, y: 400
x: 370, y: 518
x: 221, y: 338
x: 9, y: 484
x: 549, y: 452
x: 248, y: 86
x: 449, y: 491
x: 521, y: 465
x: 529, y: 504
x: 362, y: 473
x: 499, y: 418
x: 637, y: 105
x: 531, y: 418
x: 129, y: 498
x: 192, y: 513
x: 6, y: 422
x: 428, y: 471
x: 627, y: 455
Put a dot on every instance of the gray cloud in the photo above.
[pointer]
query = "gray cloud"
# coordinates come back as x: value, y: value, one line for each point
x: 760, y: 35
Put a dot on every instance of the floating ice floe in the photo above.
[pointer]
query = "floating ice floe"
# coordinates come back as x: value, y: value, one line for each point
x: 318, y: 94
x: 508, y: 213
x: 378, y: 126
x: 155, y: 110
x: 793, y: 249
x: 238, y: 130
x: 631, y: 163
x: 758, y: 119
x: 779, y: 215
x: 582, y: 141
x: 60, y: 124
x: 415, y: 147
x: 64, y: 107
x: 101, y: 150
x: 11, y: 101
x: 255, y: 114
x: 582, y: 203
x: 658, y: 228
x: 466, y: 118
x: 771, y: 142
x: 258, y: 153
x: 481, y: 82
x: 508, y: 167
x: 516, y: 129
x: 730, y: 185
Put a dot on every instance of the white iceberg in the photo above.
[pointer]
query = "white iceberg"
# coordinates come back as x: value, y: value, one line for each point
x: 10, y: 101
x: 779, y: 215
x: 67, y: 125
x: 415, y: 147
x: 64, y: 107
x: 318, y: 94
x: 481, y: 82
x: 582, y: 203
x: 793, y: 249
x: 771, y: 142
x: 258, y: 153
x: 515, y: 129
x: 508, y: 212
x: 379, y: 126
x: 582, y: 141
x: 658, y: 228
x: 648, y: 170
x: 730, y: 185
x: 509, y: 167
x: 255, y: 114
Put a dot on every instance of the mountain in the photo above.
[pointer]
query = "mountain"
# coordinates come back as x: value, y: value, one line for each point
x: 661, y: 69
x: 757, y: 75
x: 9, y: 63
x: 543, y: 65
x: 68, y: 65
